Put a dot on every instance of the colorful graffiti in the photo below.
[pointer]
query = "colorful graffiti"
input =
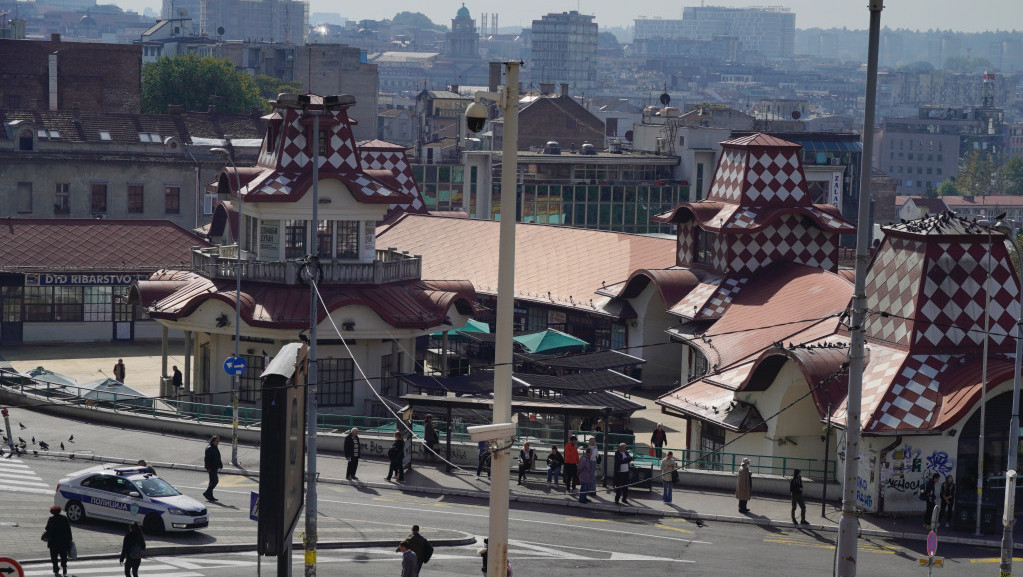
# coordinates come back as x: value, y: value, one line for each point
x: 939, y: 462
x: 863, y: 497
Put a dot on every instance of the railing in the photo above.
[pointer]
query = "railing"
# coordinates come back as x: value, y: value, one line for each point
x: 390, y: 265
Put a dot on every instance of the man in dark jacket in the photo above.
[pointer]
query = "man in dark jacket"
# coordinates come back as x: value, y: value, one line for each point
x: 658, y: 439
x: 796, y: 491
x: 623, y: 463
x: 58, y: 538
x: 928, y: 494
x: 352, y: 450
x: 420, y: 546
x: 213, y: 466
x: 396, y: 457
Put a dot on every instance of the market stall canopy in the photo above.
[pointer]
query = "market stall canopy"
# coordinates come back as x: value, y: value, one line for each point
x: 473, y: 326
x: 112, y: 390
x: 550, y: 341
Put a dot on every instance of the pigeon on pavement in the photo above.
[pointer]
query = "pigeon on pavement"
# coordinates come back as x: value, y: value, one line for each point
x: 61, y: 446
x: 71, y: 439
x: 44, y: 445
x: 23, y: 427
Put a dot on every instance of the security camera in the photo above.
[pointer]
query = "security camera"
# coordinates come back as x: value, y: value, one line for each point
x: 475, y: 117
x: 492, y: 432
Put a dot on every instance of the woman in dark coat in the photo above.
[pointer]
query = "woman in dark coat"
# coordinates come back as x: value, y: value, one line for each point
x: 58, y: 538
x: 396, y: 455
x: 133, y: 548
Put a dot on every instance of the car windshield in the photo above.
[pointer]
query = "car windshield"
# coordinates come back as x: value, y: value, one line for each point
x: 156, y: 487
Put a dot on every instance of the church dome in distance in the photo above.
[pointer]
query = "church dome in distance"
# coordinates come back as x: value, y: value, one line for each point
x: 463, y: 12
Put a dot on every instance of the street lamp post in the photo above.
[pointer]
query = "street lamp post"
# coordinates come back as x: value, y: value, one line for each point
x: 1009, y: 512
x: 990, y: 225
x: 236, y: 379
x: 312, y: 378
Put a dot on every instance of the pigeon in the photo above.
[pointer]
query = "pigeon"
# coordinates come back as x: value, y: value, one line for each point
x: 700, y: 523
x: 9, y: 455
x: 62, y: 446
x: 33, y: 440
x: 35, y: 453
x: 71, y: 456
x: 71, y: 439
x: 44, y: 445
x: 20, y: 440
x: 23, y: 427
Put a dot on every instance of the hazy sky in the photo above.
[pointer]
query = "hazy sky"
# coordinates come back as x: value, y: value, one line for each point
x: 975, y: 16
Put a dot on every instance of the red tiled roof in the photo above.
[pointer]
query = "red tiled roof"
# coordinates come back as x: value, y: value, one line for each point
x: 672, y: 284
x: 569, y: 264
x: 94, y: 244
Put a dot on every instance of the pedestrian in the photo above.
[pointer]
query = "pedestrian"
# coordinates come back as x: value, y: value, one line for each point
x: 554, y: 462
x: 176, y: 379
x: 420, y: 546
x: 527, y: 458
x: 213, y: 465
x: 133, y: 548
x: 744, y: 485
x: 148, y: 469
x: 119, y: 370
x: 948, y: 500
x: 408, y: 560
x: 623, y: 464
x: 353, y: 448
x: 796, y: 492
x: 658, y: 439
x: 483, y: 458
x: 667, y: 471
x: 571, y: 463
x: 587, y: 476
x: 928, y: 494
x: 431, y: 437
x: 58, y: 538
x: 396, y: 457
x: 594, y: 452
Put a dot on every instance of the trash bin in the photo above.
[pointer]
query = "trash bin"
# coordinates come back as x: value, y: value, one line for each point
x: 166, y: 386
x: 639, y: 478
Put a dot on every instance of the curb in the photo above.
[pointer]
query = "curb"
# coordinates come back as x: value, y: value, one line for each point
x: 244, y: 547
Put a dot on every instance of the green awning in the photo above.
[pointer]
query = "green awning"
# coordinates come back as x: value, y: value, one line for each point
x: 550, y: 341
x: 472, y: 326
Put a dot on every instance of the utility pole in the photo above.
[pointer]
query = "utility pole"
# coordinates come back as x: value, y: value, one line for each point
x: 848, y: 525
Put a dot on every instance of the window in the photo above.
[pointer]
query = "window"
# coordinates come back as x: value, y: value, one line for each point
x: 135, y: 198
x: 67, y: 303
x: 24, y: 198
x: 62, y: 198
x: 702, y: 252
x: 97, y: 303
x: 536, y: 319
x: 172, y: 199
x: 322, y: 143
x: 249, y: 383
x: 99, y: 198
x: 335, y: 382
x: 38, y: 303
x: 294, y: 238
x: 348, y: 239
x: 324, y: 238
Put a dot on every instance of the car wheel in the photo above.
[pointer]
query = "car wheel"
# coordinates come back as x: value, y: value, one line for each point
x: 75, y: 512
x: 153, y: 524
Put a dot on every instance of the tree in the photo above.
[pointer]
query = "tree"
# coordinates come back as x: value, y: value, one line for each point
x: 1012, y: 173
x: 976, y: 174
x: 269, y: 87
x: 194, y: 83
x: 948, y: 188
x: 416, y: 20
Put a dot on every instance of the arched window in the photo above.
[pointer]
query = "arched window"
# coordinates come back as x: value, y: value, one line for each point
x: 26, y: 141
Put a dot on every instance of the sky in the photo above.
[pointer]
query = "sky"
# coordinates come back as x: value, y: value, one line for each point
x: 975, y: 16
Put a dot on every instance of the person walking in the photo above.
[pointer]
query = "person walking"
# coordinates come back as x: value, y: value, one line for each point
x: 527, y: 458
x: 667, y: 469
x: 928, y: 494
x: 213, y: 465
x: 587, y: 476
x: 744, y: 485
x: 594, y: 452
x: 483, y: 458
x: 420, y: 546
x: 176, y: 379
x: 571, y: 463
x: 133, y: 548
x: 408, y: 560
x: 796, y: 492
x: 396, y: 457
x: 353, y: 448
x: 658, y: 439
x: 948, y: 500
x: 57, y: 535
x: 431, y: 437
x: 119, y: 370
x: 554, y: 462
x: 623, y: 464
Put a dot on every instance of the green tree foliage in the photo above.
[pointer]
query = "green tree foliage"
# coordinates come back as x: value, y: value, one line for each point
x: 1012, y: 175
x: 416, y: 20
x: 964, y: 64
x: 917, y: 67
x: 269, y: 87
x: 194, y: 83
x: 976, y: 174
x: 948, y: 188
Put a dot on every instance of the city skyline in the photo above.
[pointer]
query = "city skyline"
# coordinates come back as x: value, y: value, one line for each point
x: 988, y: 15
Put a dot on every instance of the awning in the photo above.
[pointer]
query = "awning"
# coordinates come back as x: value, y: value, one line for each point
x: 472, y: 326
x: 550, y: 341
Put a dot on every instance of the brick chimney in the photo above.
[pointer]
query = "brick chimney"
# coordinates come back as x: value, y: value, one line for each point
x: 546, y: 88
x: 454, y: 88
x: 564, y: 89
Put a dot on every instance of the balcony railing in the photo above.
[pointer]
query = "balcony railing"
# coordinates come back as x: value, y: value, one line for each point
x: 390, y: 265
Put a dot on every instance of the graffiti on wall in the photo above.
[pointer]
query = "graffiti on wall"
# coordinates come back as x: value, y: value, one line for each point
x: 908, y: 468
x: 939, y: 462
x: 863, y: 497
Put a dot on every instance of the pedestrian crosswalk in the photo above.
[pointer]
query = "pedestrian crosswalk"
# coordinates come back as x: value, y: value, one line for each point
x: 16, y: 476
x: 109, y: 568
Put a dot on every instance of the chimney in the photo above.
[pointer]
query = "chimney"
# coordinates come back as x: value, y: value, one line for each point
x: 52, y: 78
x: 546, y: 88
x: 454, y: 88
x: 54, y: 37
x: 564, y: 89
x: 173, y: 109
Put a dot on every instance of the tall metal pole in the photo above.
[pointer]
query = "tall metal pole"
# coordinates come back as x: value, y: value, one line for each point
x: 983, y: 386
x: 313, y: 377
x: 848, y: 525
x: 497, y: 556
x: 236, y: 379
x: 1009, y: 513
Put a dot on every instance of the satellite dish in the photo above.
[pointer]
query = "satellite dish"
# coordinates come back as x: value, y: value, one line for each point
x: 795, y: 115
x: 665, y: 99
x: 220, y: 30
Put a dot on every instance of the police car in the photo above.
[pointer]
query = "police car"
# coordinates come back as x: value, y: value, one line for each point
x: 128, y: 493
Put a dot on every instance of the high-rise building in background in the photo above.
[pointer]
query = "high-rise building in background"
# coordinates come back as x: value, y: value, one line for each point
x: 261, y: 20
x: 769, y: 30
x: 564, y: 49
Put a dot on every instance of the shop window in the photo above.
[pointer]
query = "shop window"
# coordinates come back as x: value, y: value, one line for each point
x: 335, y: 385
x: 62, y: 198
x: 135, y: 199
x: 67, y: 303
x: 172, y: 199
x: 38, y: 304
x: 99, y: 198
x: 98, y: 304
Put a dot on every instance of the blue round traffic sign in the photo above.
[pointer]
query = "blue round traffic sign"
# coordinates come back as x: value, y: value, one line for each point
x: 234, y: 366
x: 932, y: 544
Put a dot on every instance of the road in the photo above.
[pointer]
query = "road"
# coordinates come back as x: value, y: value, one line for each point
x: 552, y: 541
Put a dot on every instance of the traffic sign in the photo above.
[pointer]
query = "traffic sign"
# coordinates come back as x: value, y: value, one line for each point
x: 932, y: 544
x: 235, y: 366
x: 10, y: 568
x: 253, y: 505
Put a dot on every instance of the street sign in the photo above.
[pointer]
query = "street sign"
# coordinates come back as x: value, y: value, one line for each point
x: 932, y: 561
x: 10, y: 568
x: 234, y: 366
x: 932, y: 544
x: 254, y: 506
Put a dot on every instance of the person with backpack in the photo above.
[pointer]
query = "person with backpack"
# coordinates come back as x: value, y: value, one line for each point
x: 133, y: 548
x: 420, y: 546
